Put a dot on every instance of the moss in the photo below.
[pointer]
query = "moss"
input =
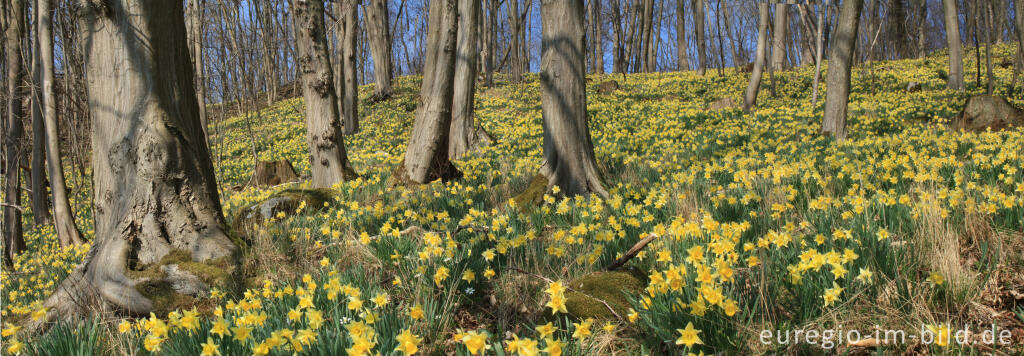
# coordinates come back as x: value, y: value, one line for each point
x: 534, y: 193
x: 218, y: 272
x: 248, y: 218
x: 607, y: 286
x: 163, y: 296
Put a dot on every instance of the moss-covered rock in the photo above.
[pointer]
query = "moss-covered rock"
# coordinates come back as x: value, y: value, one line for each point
x: 285, y: 202
x: 584, y: 301
x: 534, y: 192
x: 176, y: 280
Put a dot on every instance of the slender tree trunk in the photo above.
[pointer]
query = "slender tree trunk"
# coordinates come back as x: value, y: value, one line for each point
x: 375, y: 17
x: 350, y: 112
x: 956, y: 57
x: 721, y: 46
x: 462, y: 134
x: 922, y: 18
x: 738, y: 59
x: 426, y: 158
x: 840, y: 61
x: 14, y: 242
x: 990, y: 19
x: 779, y: 36
x: 63, y: 218
x: 698, y: 31
x: 1018, y: 18
x: 807, y: 28
x: 569, y: 160
x: 492, y: 44
x: 683, y: 62
x: 973, y: 24
x: 647, y: 36
x: 618, y: 65
x: 598, y: 41
x: 819, y: 51
x: 154, y: 189
x: 40, y: 195
x: 754, y: 85
x: 328, y: 160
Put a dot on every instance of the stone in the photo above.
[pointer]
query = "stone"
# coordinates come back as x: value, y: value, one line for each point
x: 983, y: 112
x: 271, y: 173
x: 608, y: 87
x: 584, y: 300
x: 286, y: 202
x: 723, y: 103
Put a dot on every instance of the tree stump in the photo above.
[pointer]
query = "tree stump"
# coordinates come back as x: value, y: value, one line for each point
x: 287, y: 202
x: 608, y: 87
x: 271, y: 173
x: 983, y: 112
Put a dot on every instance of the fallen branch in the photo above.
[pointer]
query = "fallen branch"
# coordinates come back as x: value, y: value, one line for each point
x: 633, y: 251
x: 18, y: 207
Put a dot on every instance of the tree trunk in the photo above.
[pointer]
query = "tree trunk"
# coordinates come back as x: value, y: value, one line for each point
x: 598, y: 41
x: 807, y: 28
x: 840, y: 61
x: 196, y: 44
x: 350, y: 112
x: 516, y: 66
x: 779, y: 34
x: 491, y: 43
x: 683, y: 62
x: 735, y: 46
x: 154, y: 189
x: 14, y: 242
x: 922, y: 18
x: 721, y: 46
x: 328, y: 159
x: 1018, y: 19
x: 569, y: 161
x: 63, y: 218
x: 426, y: 158
x: 462, y: 135
x: 698, y: 30
x: 617, y: 40
x: 40, y: 195
x: 646, y: 36
x: 956, y: 57
x: 754, y: 85
x: 819, y: 52
x: 990, y: 19
x: 375, y: 16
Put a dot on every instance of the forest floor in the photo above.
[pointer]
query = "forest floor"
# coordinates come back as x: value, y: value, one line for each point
x: 760, y: 224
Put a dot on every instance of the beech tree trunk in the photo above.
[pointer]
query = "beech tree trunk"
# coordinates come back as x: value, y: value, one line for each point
x: 14, y: 22
x: 754, y: 85
x: 63, y: 218
x: 462, y: 135
x: 618, y: 40
x: 40, y: 194
x: 598, y: 42
x: 196, y: 44
x: 350, y: 111
x: 154, y: 187
x: 683, y: 62
x: 840, y: 61
x: 569, y: 160
x: 516, y: 65
x: 646, y: 38
x: 779, y: 34
x: 375, y: 15
x: 819, y: 52
x: 426, y: 158
x: 328, y: 159
x: 698, y: 30
x: 956, y: 55
x: 1018, y: 19
x: 491, y: 44
x: 922, y: 18
x: 990, y: 19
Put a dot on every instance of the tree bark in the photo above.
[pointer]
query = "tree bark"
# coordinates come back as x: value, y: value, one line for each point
x: 328, y: 159
x: 618, y: 53
x: 1018, y: 19
x: 154, y: 189
x: 956, y: 56
x: 516, y: 66
x: 598, y: 42
x: 40, y: 189
x: 989, y: 27
x: 375, y: 15
x: 754, y: 85
x: 196, y: 43
x: 350, y: 110
x: 683, y: 62
x: 462, y: 134
x: 491, y: 43
x: 779, y: 34
x: 819, y: 52
x: 569, y: 160
x: 14, y: 242
x: 698, y: 30
x: 922, y: 18
x: 646, y: 37
x: 63, y: 218
x: 840, y: 61
x: 426, y: 158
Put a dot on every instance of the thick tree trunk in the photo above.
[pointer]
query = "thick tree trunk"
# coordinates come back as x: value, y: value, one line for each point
x: 196, y: 44
x: 922, y: 18
x: 63, y: 218
x: 840, y: 61
x: 598, y: 41
x: 14, y: 242
x: 779, y: 34
x: 698, y: 31
x: 956, y: 56
x: 646, y: 37
x: 819, y: 52
x: 462, y: 135
x: 40, y: 194
x: 350, y: 96
x: 1018, y: 18
x: 754, y: 85
x: 328, y: 159
x: 516, y: 66
x: 683, y: 62
x: 154, y: 189
x: 426, y: 158
x: 375, y: 16
x: 569, y: 161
